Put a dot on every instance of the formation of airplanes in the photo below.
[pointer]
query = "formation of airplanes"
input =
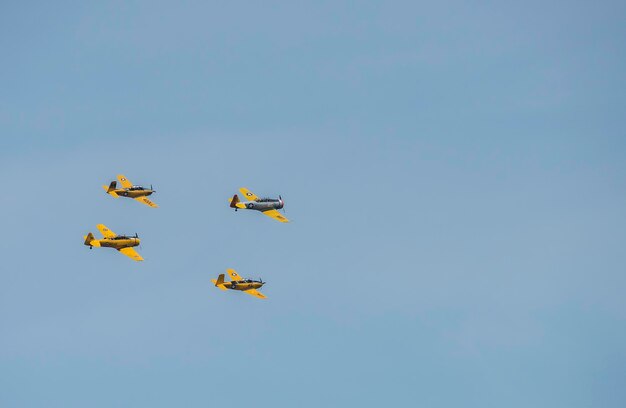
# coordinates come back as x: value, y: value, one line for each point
x: 125, y: 244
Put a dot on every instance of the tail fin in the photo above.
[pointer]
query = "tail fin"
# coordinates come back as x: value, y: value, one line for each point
x: 90, y: 240
x: 111, y: 189
x: 219, y: 282
x: 234, y: 201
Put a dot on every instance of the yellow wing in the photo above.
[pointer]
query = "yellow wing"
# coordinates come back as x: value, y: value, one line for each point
x: 255, y: 293
x: 131, y: 253
x: 146, y: 201
x: 124, y: 181
x: 233, y: 275
x: 249, y: 195
x: 107, y: 233
x: 276, y: 215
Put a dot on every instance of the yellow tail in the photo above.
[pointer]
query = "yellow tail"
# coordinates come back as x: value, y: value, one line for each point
x: 111, y: 189
x: 234, y: 201
x: 90, y: 240
x: 219, y: 282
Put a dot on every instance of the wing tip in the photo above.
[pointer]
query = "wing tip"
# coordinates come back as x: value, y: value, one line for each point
x: 146, y: 201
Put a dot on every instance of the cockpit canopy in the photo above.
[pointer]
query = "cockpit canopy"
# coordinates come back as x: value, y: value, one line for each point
x: 121, y: 237
x: 267, y: 200
x: 136, y: 188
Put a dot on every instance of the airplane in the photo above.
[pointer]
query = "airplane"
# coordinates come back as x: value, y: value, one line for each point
x: 138, y: 193
x: 122, y: 243
x: 248, y: 286
x: 268, y: 206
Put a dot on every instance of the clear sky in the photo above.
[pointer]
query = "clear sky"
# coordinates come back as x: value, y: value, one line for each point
x: 455, y: 173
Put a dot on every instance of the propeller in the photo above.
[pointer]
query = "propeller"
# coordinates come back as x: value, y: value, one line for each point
x: 151, y: 189
x: 137, y: 236
x: 281, y: 199
x: 261, y: 280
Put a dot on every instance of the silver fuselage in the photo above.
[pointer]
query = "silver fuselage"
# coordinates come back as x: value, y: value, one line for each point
x: 264, y: 205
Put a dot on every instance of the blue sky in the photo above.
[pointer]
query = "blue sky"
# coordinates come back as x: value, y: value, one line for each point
x: 454, y: 172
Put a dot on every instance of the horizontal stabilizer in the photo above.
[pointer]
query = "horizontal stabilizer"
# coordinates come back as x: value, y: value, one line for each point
x: 219, y: 282
x: 111, y: 189
x: 235, y: 203
x: 221, y: 286
x: 90, y: 240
